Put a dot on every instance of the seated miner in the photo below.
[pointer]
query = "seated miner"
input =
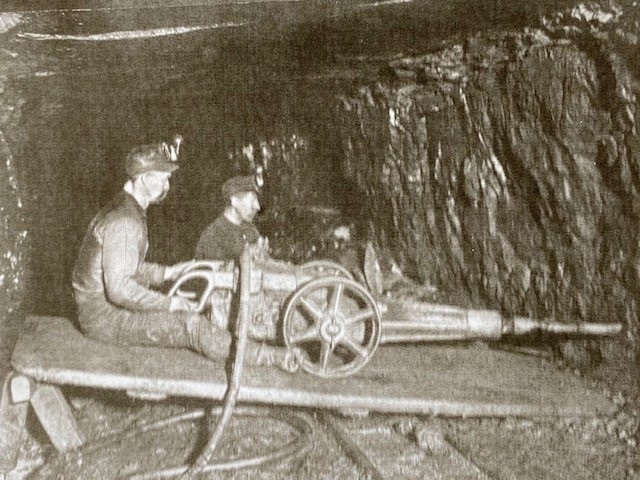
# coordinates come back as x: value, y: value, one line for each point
x: 112, y: 280
x: 225, y: 238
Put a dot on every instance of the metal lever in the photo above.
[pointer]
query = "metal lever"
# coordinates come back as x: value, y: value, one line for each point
x: 202, y: 274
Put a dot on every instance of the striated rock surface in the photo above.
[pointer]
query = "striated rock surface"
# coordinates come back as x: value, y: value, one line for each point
x: 505, y: 168
x: 13, y: 233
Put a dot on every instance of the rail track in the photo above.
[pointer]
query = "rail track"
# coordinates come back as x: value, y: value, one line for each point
x: 335, y: 445
x: 402, y: 448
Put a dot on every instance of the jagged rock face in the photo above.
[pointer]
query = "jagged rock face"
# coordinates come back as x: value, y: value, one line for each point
x: 13, y: 234
x: 506, y: 169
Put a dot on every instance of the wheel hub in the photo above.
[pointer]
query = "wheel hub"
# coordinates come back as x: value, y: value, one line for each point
x: 332, y: 329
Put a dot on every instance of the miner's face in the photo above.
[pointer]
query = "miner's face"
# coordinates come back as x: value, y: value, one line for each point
x: 246, y: 204
x: 156, y: 185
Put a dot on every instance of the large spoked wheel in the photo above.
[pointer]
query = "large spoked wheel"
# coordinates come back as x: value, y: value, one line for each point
x: 325, y: 268
x: 336, y: 323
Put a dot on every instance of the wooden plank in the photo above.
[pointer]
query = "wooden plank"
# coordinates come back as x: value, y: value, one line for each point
x: 427, y: 379
x: 109, y: 5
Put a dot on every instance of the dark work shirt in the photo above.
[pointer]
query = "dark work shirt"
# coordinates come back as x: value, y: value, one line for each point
x: 223, y: 240
x: 111, y: 265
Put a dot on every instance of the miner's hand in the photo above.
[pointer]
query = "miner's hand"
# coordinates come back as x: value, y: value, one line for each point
x: 180, y: 304
x: 174, y: 271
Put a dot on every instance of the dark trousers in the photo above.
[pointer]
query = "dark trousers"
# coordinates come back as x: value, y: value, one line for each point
x: 105, y: 322
x: 100, y: 320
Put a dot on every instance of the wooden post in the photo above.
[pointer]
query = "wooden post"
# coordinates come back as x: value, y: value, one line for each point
x: 56, y: 417
x: 12, y: 427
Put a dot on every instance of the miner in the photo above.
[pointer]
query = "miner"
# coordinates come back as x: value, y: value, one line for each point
x: 225, y: 237
x: 112, y: 280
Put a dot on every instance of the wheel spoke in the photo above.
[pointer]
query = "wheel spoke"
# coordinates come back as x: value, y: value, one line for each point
x: 325, y: 353
x: 354, y: 347
x: 359, y: 317
x: 312, y: 309
x: 334, y: 303
x: 310, y: 333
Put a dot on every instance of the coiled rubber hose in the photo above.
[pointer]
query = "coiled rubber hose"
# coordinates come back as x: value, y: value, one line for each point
x: 302, y: 422
x: 299, y: 447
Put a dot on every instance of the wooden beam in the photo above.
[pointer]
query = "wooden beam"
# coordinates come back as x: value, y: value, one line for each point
x: 49, y: 6
x: 12, y: 431
x: 56, y: 417
x: 21, y: 388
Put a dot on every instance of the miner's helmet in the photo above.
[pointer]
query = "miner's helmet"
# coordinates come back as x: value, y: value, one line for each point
x: 239, y: 184
x: 154, y: 157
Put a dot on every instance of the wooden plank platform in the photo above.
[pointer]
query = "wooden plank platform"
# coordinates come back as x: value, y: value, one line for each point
x: 426, y: 379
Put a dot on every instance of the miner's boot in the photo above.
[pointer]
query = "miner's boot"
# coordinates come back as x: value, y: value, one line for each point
x: 287, y: 359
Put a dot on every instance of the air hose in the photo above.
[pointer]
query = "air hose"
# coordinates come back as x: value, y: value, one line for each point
x: 299, y: 421
x: 231, y: 395
x: 302, y: 422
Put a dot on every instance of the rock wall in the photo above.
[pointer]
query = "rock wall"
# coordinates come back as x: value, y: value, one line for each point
x: 13, y: 233
x: 505, y: 169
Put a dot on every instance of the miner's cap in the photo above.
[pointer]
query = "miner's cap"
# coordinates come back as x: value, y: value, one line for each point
x: 154, y: 157
x: 240, y: 184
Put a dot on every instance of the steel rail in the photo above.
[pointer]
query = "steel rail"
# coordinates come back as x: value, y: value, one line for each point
x: 356, y: 454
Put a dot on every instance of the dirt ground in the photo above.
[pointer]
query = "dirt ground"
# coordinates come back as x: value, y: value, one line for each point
x: 399, y: 446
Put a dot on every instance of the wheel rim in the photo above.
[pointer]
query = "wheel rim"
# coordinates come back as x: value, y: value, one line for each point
x: 336, y: 323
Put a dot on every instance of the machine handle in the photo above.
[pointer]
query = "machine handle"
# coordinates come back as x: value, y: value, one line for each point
x: 204, y: 274
x: 213, y: 265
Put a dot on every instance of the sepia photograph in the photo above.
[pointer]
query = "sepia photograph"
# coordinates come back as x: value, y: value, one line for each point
x: 319, y: 239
